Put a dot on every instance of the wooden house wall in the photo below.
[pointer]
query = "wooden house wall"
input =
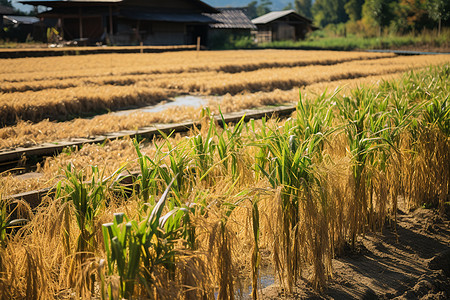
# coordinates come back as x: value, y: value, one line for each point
x: 175, y: 6
x: 93, y: 22
x: 281, y: 31
x: 92, y: 27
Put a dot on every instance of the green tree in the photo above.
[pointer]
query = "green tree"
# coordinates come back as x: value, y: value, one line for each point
x: 263, y: 8
x: 289, y: 6
x: 251, y: 10
x: 6, y: 3
x: 438, y: 10
x: 303, y: 7
x: 379, y: 12
x: 255, y: 10
x: 353, y: 8
x: 329, y: 12
x: 415, y: 14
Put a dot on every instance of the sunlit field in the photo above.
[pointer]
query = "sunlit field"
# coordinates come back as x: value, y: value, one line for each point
x: 210, y: 210
x: 35, y: 92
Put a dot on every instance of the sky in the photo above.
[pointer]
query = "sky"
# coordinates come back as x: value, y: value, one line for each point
x: 22, y: 7
x: 278, y: 4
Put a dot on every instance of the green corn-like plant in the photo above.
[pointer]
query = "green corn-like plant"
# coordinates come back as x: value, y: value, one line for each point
x: 87, y: 199
x: 261, y: 157
x: 313, y: 119
x: 203, y: 150
x: 135, y: 248
x: 160, y: 233
x: 149, y: 172
x: 437, y: 114
x: 229, y: 146
x: 179, y: 167
x: 371, y: 138
x: 355, y: 111
x: 123, y: 250
x: 84, y: 200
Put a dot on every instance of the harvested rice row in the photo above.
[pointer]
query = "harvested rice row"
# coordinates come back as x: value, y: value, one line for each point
x: 57, y: 104
x: 50, y: 68
x: 20, y: 87
x: 135, y: 77
x: 11, y: 87
x: 287, y: 78
x: 36, y: 106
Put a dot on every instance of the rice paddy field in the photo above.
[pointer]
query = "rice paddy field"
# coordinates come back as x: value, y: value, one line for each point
x: 209, y: 213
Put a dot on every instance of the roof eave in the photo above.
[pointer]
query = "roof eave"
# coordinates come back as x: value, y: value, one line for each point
x: 53, y: 3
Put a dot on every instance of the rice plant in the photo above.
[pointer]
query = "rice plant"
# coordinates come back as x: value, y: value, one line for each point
x: 8, y: 223
x: 293, y: 149
x: 84, y: 201
x: 7, y: 220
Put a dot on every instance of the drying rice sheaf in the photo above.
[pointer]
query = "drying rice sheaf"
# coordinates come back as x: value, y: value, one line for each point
x: 211, y: 208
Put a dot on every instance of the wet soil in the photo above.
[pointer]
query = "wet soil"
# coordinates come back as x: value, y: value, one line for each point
x: 410, y: 261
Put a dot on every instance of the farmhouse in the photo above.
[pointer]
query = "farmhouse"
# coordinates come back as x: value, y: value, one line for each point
x: 282, y: 25
x: 128, y: 22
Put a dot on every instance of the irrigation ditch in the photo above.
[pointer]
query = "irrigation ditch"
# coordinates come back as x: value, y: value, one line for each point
x: 9, y: 159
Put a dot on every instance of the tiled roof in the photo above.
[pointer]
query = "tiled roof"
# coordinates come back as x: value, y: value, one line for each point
x: 21, y: 19
x: 231, y: 18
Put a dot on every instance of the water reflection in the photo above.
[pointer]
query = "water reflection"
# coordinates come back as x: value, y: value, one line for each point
x: 185, y: 100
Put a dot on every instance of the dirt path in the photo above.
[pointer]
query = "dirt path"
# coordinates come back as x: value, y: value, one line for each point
x: 414, y: 265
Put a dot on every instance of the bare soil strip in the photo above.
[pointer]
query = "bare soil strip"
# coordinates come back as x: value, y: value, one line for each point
x: 411, y: 261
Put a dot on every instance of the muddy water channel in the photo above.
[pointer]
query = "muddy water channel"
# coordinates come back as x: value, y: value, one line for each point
x: 180, y: 101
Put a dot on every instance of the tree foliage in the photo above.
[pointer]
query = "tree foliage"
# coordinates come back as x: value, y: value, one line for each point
x: 255, y: 9
x: 396, y: 15
x: 6, y: 3
x: 303, y: 7
x: 438, y: 11
x: 353, y: 8
x: 378, y: 11
x: 329, y: 12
